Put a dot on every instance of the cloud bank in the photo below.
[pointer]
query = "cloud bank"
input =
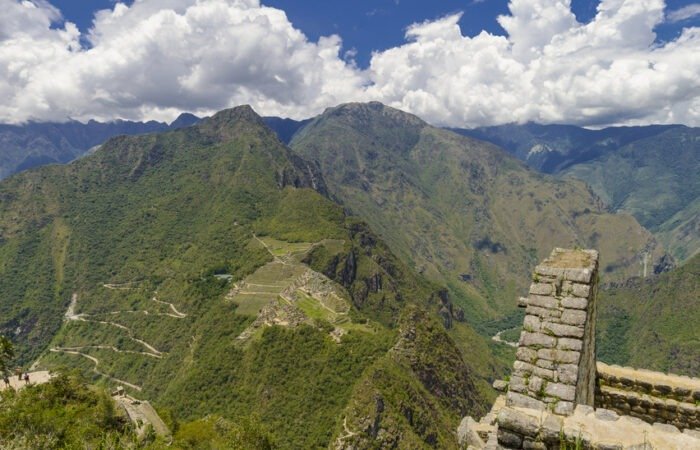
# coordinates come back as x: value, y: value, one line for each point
x: 156, y: 58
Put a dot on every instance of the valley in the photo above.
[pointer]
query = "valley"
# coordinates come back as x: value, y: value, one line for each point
x: 314, y: 285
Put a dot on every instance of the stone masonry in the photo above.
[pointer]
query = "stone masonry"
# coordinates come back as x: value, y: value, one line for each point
x: 555, y: 362
x: 559, y: 397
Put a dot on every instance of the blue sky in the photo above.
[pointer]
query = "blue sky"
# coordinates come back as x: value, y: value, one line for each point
x: 455, y: 63
x: 369, y: 25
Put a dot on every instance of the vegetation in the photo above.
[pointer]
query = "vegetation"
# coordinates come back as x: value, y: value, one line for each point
x: 652, y: 323
x: 7, y: 353
x: 655, y: 179
x: 63, y: 413
x: 461, y: 212
x: 121, y: 265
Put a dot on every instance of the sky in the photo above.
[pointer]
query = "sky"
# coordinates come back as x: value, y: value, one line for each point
x: 454, y: 63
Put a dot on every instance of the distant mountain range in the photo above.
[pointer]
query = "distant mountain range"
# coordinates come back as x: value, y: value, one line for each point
x: 650, y: 172
x: 35, y: 144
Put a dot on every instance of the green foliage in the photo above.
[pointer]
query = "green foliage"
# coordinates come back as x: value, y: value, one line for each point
x: 7, y: 353
x: 63, y: 413
x: 459, y: 211
x: 655, y: 179
x: 652, y: 323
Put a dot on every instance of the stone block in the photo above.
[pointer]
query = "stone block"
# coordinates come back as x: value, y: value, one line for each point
x: 541, y: 289
x: 530, y: 444
x: 545, y: 364
x: 567, y: 373
x: 578, y: 275
x: 534, y: 384
x: 518, y: 422
x: 606, y: 415
x: 563, y: 408
x: 517, y: 384
x: 467, y: 433
x: 560, y: 330
x: 547, y: 374
x: 526, y: 354
x: 562, y: 391
x: 692, y: 433
x: 551, y: 429
x: 545, y: 313
x: 500, y: 385
x: 561, y: 356
x: 509, y: 439
x: 549, y: 271
x: 523, y: 401
x: 580, y: 290
x: 522, y: 302
x: 574, y: 302
x: 573, y: 317
x: 522, y: 368
x: 665, y: 428
x: 543, y: 301
x: 536, y: 339
x: 532, y: 323
x: 569, y: 344
x: 584, y: 410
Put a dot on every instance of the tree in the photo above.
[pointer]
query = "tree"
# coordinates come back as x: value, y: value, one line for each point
x: 7, y: 352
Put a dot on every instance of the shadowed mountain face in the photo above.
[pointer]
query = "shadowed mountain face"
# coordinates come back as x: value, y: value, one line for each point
x: 23, y: 147
x: 205, y: 270
x: 464, y: 212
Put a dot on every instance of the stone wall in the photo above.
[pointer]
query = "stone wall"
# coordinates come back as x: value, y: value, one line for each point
x: 559, y: 397
x: 651, y: 396
x: 555, y: 361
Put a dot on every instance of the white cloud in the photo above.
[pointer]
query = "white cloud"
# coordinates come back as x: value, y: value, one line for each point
x: 684, y: 13
x: 159, y: 57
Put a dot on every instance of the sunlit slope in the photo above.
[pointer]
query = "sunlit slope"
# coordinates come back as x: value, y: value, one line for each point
x: 206, y: 270
x: 654, y: 323
x: 656, y: 180
x: 465, y: 213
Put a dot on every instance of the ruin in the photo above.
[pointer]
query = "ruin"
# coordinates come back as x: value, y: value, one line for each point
x: 558, y: 396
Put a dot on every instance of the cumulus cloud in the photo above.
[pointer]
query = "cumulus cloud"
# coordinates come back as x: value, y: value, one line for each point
x: 156, y: 58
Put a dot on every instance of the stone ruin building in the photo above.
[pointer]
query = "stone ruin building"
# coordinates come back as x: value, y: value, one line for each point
x: 559, y: 397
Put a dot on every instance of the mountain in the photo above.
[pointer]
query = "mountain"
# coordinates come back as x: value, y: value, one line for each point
x: 31, y: 145
x: 285, y: 128
x: 647, y: 171
x: 653, y: 323
x: 463, y: 212
x: 206, y: 270
x: 656, y: 180
x: 553, y: 148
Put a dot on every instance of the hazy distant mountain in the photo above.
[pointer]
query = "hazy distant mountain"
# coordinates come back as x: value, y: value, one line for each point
x: 36, y: 144
x: 656, y: 179
x: 553, y: 148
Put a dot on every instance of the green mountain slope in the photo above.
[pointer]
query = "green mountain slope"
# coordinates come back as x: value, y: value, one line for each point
x: 656, y: 180
x: 654, y: 323
x: 463, y: 212
x: 204, y: 269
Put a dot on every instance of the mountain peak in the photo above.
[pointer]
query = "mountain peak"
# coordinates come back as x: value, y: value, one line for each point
x: 373, y: 111
x: 184, y: 120
x: 224, y: 123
